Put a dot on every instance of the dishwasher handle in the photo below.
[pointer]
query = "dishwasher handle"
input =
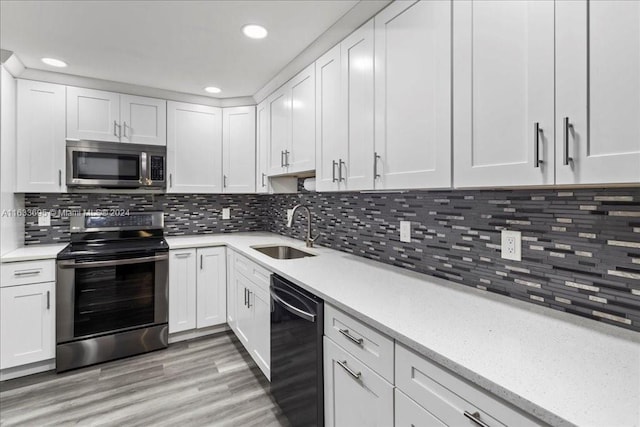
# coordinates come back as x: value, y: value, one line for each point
x: 294, y: 310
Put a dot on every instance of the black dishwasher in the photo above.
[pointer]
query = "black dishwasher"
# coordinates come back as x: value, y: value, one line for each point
x: 296, y: 353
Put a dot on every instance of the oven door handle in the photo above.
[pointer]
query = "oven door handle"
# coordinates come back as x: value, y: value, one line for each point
x: 303, y: 314
x: 109, y: 263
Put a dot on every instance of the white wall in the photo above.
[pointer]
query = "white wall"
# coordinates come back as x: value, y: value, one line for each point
x: 11, y: 227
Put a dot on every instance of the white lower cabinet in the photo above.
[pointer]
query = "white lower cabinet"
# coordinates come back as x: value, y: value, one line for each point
x: 409, y: 414
x: 27, y: 324
x: 251, y: 308
x: 197, y: 288
x: 354, y: 395
x: 448, y: 398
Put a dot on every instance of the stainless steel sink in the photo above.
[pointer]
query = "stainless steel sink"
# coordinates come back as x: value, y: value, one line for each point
x: 282, y: 252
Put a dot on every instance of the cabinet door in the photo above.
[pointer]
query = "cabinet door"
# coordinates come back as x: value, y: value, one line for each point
x: 260, y: 341
x: 243, y: 311
x: 302, y: 149
x: 27, y: 324
x: 358, y: 98
x: 330, y: 121
x: 262, y: 147
x: 211, y: 287
x: 40, y: 152
x: 239, y: 149
x: 231, y: 291
x: 598, y: 92
x: 503, y: 79
x: 354, y: 395
x: 143, y: 120
x: 413, y: 95
x: 182, y: 290
x: 93, y: 114
x: 409, y: 414
x: 279, y: 105
x: 194, y: 148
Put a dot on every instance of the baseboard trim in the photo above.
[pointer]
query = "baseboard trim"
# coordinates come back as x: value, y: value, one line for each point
x: 30, y: 369
x: 197, y: 333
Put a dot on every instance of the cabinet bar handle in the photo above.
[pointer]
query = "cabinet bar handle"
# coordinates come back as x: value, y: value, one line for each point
x: 340, y: 163
x: 245, y: 297
x: 333, y: 170
x: 26, y: 272
x: 567, y: 126
x: 282, y: 159
x: 346, y: 333
x: 536, y: 138
x: 60, y: 177
x: 170, y: 180
x: 355, y: 375
x: 475, y: 417
x: 183, y: 255
x: 286, y: 158
x: 124, y: 130
x: 201, y: 261
x: 224, y: 181
x: 115, y: 126
x: 376, y: 157
x: 48, y: 300
x: 263, y: 175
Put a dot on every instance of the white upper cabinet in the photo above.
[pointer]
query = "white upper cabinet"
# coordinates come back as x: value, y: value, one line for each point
x: 93, y: 114
x: 278, y: 110
x: 413, y: 95
x: 503, y: 85
x: 40, y: 152
x: 239, y: 149
x: 357, y: 76
x: 107, y: 116
x: 598, y: 92
x: 302, y: 145
x: 194, y: 148
x: 291, y: 111
x: 143, y: 120
x: 262, y: 148
x: 330, y: 121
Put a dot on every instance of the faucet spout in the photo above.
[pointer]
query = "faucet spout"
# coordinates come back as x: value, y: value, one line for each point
x: 309, y: 240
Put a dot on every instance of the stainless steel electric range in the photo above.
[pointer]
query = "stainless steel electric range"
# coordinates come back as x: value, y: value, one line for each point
x: 111, y: 289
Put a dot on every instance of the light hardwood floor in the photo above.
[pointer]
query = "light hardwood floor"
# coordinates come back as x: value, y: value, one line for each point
x: 210, y: 381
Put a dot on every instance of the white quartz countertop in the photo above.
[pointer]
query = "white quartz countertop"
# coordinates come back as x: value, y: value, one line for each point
x: 561, y: 368
x: 33, y: 252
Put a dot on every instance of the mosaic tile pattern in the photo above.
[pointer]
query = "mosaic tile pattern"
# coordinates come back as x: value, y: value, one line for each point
x: 580, y: 252
x: 183, y: 214
x: 580, y: 248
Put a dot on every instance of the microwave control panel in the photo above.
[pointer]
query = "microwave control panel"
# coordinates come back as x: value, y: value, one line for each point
x: 157, y: 168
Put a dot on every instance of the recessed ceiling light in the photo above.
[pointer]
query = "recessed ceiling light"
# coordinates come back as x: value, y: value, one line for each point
x: 54, y: 62
x: 212, y: 89
x: 254, y: 31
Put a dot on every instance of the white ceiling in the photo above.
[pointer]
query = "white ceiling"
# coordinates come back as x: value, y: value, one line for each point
x: 175, y: 45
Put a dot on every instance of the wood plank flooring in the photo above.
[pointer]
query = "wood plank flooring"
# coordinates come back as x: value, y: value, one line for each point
x: 210, y: 381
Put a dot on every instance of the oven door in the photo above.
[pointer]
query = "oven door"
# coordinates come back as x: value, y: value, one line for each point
x: 110, y: 294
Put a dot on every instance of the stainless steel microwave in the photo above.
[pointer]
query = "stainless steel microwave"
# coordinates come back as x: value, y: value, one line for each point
x: 97, y: 164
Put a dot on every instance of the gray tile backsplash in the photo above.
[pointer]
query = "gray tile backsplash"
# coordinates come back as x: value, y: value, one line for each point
x: 580, y: 248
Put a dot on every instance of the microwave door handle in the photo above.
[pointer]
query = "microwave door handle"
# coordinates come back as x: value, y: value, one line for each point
x: 144, y: 178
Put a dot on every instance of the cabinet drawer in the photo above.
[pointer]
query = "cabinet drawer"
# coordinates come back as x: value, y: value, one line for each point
x: 449, y: 397
x: 25, y: 272
x: 258, y: 275
x: 365, y: 343
x: 409, y: 414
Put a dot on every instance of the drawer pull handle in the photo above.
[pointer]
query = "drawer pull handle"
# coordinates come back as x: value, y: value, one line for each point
x: 183, y: 255
x: 475, y: 417
x: 26, y: 272
x: 355, y: 375
x: 346, y: 333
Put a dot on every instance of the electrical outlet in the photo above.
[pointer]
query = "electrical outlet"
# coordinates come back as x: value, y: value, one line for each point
x: 44, y: 219
x: 511, y: 245
x: 289, y: 215
x: 405, y: 231
x: 226, y: 213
